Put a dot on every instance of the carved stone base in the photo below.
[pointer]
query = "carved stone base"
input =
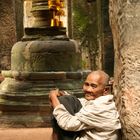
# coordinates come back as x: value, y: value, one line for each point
x: 24, y: 96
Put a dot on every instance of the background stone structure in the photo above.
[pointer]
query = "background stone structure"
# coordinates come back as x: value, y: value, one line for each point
x: 11, y: 29
x: 7, y: 32
x: 124, y: 20
x: 44, y: 59
x: 125, y: 23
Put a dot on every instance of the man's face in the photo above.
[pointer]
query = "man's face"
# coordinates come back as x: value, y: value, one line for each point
x: 93, y: 87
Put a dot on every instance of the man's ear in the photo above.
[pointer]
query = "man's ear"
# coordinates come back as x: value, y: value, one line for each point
x: 106, y: 90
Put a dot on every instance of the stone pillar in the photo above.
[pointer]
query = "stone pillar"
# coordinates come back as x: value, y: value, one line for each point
x: 43, y: 60
x: 124, y: 20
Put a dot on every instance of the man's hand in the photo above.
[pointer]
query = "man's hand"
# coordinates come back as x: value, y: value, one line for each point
x: 53, y: 97
x: 56, y: 93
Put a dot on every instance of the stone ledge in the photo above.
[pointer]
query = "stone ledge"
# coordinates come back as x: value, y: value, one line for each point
x: 16, y: 120
x: 45, y: 75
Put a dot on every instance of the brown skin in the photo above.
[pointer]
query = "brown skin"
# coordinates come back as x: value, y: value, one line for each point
x: 53, y: 96
x: 93, y: 88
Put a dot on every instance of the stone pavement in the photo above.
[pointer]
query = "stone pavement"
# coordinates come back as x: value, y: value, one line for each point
x: 25, y: 133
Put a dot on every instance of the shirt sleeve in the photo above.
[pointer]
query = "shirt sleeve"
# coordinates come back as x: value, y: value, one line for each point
x: 67, y: 121
x: 89, y: 117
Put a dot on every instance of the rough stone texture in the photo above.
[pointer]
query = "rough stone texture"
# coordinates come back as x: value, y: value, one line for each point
x: 125, y: 23
x: 24, y: 96
x: 19, y: 18
x: 37, y: 63
x: 7, y: 32
x: 11, y: 29
x: 50, y: 55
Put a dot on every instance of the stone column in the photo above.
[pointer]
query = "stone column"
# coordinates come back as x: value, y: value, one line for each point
x: 125, y: 24
x: 7, y: 31
x: 43, y: 60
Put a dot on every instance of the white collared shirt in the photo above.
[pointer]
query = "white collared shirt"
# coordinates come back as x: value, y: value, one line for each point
x: 98, y: 119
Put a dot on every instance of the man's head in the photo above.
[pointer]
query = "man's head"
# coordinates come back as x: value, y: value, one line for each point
x: 95, y: 85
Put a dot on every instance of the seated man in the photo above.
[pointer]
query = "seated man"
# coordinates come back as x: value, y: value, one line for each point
x: 93, y: 117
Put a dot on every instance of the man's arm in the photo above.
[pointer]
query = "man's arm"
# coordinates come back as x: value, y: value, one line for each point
x: 65, y: 120
x: 103, y: 116
x: 53, y: 96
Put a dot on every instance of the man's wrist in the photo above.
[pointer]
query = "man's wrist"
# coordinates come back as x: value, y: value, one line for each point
x: 54, y: 100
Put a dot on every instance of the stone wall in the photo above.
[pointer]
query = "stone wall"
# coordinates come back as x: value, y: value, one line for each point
x: 10, y: 29
x: 125, y: 19
x: 7, y: 32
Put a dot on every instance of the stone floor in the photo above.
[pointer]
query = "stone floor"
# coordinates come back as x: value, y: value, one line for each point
x: 25, y: 134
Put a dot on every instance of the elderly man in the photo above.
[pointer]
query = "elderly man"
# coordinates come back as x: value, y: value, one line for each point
x: 93, y: 117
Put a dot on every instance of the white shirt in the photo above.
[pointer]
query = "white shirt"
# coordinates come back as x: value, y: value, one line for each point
x: 98, y: 119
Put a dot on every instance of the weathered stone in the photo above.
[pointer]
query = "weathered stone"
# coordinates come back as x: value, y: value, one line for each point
x: 51, y: 55
x: 7, y: 32
x: 24, y: 95
x: 45, y: 59
x: 124, y: 20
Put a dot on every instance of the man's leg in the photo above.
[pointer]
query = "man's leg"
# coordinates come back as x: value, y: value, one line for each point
x: 73, y: 105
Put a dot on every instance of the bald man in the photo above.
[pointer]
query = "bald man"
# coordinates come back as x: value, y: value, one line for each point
x: 93, y: 117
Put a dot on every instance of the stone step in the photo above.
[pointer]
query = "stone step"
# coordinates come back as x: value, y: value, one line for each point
x: 25, y: 97
x: 24, y: 114
x: 37, y: 97
x: 24, y: 120
x: 6, y: 105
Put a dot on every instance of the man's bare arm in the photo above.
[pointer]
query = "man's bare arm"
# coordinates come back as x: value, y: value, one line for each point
x: 53, y: 96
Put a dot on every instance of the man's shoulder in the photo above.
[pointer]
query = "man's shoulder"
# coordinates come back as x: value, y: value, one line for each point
x: 104, y: 100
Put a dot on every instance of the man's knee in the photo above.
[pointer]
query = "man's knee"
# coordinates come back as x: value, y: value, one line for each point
x: 71, y: 103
